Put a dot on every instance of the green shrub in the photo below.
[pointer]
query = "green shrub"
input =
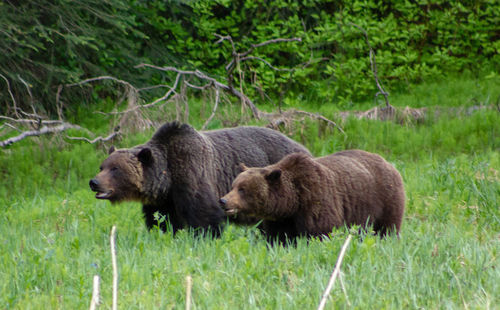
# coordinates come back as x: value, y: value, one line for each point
x: 47, y: 43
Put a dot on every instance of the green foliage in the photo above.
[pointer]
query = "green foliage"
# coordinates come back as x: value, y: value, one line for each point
x: 412, y: 42
x: 46, y: 44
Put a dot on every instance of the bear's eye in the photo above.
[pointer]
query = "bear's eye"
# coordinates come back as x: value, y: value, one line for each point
x: 114, y: 169
x: 241, y: 190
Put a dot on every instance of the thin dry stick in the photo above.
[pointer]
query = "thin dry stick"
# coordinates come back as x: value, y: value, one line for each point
x: 98, y: 139
x: 459, y: 289
x: 334, y: 275
x: 11, y: 95
x: 373, y: 63
x: 217, y: 95
x: 95, y: 294
x: 112, y: 240
x: 189, y: 284
x: 344, y: 290
x: 100, y: 78
x: 58, y: 102
x: 28, y: 88
x: 320, y: 117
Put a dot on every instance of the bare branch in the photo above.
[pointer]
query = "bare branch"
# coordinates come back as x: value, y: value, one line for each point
x: 373, y: 63
x: 225, y: 38
x: 209, y: 119
x: 98, y: 139
x: 237, y: 57
x: 321, y: 117
x: 11, y: 95
x: 31, y: 121
x: 272, y: 41
x: 28, y: 88
x: 184, y: 79
x: 266, y: 62
x: 153, y: 87
x: 37, y: 118
x: 256, y: 112
x: 204, y: 87
x: 100, y: 78
x: 11, y: 127
x: 163, y: 98
x: 285, y: 117
x: 58, y: 102
x: 42, y: 131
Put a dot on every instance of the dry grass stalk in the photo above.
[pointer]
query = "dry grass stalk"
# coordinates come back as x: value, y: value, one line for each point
x: 334, y: 275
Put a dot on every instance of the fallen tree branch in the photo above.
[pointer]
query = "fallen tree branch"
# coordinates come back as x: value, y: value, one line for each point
x: 183, y: 80
x: 98, y: 139
x: 320, y: 117
x: 42, y: 131
x: 31, y: 121
x: 197, y: 73
x: 404, y: 115
x: 334, y: 275
x: 257, y: 114
x: 285, y: 117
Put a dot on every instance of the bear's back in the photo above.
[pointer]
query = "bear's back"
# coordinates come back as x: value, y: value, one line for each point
x: 376, y: 187
x: 253, y: 146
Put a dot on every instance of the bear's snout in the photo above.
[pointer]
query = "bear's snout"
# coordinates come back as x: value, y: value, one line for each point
x: 94, y: 185
x: 227, y: 206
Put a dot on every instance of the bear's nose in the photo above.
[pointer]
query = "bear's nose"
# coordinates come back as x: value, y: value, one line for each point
x: 93, y: 184
x: 223, y: 201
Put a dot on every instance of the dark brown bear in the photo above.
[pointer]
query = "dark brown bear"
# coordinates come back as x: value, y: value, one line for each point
x: 305, y: 196
x: 181, y: 173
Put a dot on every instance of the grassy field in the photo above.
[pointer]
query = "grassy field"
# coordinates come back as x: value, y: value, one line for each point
x: 54, y: 235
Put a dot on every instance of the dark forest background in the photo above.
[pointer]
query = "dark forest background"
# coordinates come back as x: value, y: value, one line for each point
x: 45, y: 44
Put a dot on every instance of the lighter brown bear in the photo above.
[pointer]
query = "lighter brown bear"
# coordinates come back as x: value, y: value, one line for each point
x: 305, y: 196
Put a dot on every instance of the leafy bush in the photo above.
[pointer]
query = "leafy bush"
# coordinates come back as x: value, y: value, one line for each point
x: 48, y: 43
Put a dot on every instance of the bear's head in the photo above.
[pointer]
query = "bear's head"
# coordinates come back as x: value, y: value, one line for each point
x: 121, y: 175
x: 254, y: 193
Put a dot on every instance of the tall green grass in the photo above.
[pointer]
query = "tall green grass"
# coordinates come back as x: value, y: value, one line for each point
x: 54, y: 235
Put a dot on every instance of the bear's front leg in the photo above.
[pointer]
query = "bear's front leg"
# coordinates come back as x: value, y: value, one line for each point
x: 199, y: 209
x: 160, y: 216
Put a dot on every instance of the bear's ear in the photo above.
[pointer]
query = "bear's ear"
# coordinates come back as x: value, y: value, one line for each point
x: 111, y: 149
x: 243, y: 167
x: 145, y: 156
x: 273, y: 176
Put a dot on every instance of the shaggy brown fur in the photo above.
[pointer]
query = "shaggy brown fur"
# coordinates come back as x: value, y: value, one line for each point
x: 180, y: 172
x: 301, y: 195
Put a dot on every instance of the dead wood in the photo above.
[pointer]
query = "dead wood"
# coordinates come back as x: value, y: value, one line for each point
x: 404, y: 115
x: 373, y: 64
x: 42, y: 131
